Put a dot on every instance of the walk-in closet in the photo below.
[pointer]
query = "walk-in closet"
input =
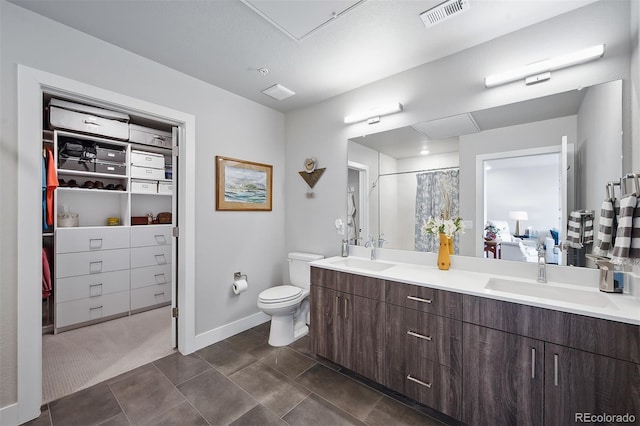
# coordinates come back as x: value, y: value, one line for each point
x: 108, y: 251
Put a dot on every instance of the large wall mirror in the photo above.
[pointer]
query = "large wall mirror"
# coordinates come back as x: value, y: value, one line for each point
x: 507, y: 162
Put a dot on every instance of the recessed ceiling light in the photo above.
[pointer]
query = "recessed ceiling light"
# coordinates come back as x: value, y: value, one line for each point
x: 424, y: 152
x: 278, y: 92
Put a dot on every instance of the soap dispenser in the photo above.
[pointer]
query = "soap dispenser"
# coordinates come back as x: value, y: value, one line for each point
x: 611, y: 279
x: 345, y: 248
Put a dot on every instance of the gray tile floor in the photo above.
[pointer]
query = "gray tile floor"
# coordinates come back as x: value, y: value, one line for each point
x: 238, y: 381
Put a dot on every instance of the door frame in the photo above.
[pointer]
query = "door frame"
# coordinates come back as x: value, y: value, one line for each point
x: 363, y: 198
x: 32, y: 84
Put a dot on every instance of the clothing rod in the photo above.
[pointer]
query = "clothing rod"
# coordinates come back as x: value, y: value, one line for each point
x: 441, y: 169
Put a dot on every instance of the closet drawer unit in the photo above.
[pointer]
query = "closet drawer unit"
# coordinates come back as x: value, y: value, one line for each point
x: 70, y: 240
x: 147, y: 159
x: 151, y: 235
x: 148, y: 136
x: 150, y: 296
x: 111, y: 155
x: 150, y: 276
x: 87, y: 122
x: 85, y: 263
x: 93, y: 308
x: 111, y: 168
x: 138, y: 172
x: 144, y: 186
x: 84, y: 286
x: 150, y: 256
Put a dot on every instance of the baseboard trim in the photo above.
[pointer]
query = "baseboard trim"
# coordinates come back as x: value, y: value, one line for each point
x: 210, y: 337
x: 9, y: 415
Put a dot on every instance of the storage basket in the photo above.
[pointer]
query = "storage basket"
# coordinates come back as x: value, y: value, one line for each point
x: 68, y: 220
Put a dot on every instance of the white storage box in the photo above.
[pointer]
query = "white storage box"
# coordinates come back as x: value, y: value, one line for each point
x: 144, y: 186
x: 165, y: 187
x: 148, y: 136
x: 147, y: 159
x: 146, y: 173
x: 98, y: 121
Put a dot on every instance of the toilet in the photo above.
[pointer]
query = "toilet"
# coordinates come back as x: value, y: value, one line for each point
x: 288, y: 305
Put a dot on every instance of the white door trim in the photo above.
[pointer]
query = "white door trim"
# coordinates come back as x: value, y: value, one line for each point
x: 32, y: 83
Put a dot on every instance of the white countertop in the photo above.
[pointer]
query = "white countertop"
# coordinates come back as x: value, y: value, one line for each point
x: 576, y: 299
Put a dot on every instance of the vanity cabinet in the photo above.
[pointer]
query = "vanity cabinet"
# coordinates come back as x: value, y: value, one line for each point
x: 347, y: 325
x: 522, y: 362
x: 504, y: 377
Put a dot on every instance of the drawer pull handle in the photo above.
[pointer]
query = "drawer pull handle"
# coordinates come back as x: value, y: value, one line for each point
x: 555, y: 369
x: 420, y: 336
x: 160, y: 259
x: 95, y: 243
x: 94, y: 286
x: 159, y: 138
x: 337, y: 306
x: 417, y: 299
x: 346, y: 304
x: 533, y: 363
x: 159, y: 294
x: 91, y: 122
x: 97, y: 307
x: 95, y: 267
x: 160, y: 239
x: 420, y: 382
x: 160, y: 278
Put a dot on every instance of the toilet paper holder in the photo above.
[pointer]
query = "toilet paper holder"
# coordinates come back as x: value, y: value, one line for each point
x: 239, y: 276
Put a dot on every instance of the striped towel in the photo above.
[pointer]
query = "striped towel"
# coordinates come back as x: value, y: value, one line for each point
x: 580, y: 228
x: 634, y: 253
x: 606, y: 228
x: 622, y: 247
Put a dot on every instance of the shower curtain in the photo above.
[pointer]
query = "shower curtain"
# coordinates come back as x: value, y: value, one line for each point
x: 429, y: 203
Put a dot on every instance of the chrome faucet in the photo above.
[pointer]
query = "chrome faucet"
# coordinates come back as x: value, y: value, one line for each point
x: 542, y: 264
x: 371, y: 243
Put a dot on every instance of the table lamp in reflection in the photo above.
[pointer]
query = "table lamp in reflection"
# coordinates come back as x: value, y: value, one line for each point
x: 518, y: 215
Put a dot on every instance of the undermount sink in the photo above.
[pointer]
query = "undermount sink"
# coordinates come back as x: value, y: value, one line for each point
x: 370, y: 265
x: 549, y: 291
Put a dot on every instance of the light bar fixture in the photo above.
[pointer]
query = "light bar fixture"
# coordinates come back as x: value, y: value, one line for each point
x: 540, y: 71
x: 373, y: 116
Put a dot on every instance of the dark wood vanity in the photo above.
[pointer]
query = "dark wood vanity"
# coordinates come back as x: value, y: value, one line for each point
x: 478, y: 360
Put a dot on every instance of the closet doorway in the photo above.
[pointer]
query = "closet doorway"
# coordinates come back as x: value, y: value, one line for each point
x: 33, y: 87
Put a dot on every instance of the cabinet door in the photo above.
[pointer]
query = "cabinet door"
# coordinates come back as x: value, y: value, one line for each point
x: 363, y: 334
x: 326, y: 330
x: 580, y: 383
x: 503, y: 377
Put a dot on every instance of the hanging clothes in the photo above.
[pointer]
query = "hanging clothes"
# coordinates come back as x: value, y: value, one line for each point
x: 46, y: 273
x: 52, y: 184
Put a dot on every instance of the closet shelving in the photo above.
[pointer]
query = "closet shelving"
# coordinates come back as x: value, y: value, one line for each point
x: 102, y: 271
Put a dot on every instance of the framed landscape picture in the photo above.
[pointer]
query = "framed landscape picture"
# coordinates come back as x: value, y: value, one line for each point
x: 243, y: 185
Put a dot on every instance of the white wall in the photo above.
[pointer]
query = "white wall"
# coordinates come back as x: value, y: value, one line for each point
x: 251, y: 242
x: 442, y: 88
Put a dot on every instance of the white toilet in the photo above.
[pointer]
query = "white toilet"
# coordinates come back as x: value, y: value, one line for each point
x: 288, y: 305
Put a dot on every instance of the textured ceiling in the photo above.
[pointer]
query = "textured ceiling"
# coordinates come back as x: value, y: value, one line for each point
x: 225, y: 42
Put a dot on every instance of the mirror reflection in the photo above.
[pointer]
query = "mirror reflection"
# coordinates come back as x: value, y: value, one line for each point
x: 505, y: 165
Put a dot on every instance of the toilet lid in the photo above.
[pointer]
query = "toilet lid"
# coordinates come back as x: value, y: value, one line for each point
x: 281, y: 293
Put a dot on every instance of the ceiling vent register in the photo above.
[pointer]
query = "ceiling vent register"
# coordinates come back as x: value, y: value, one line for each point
x: 444, y: 11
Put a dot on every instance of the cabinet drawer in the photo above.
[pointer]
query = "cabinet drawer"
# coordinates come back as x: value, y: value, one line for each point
x: 152, y: 235
x: 360, y: 285
x: 84, y: 286
x: 87, y: 123
x: 435, y: 385
x: 70, y: 240
x: 425, y: 299
x: 150, y: 296
x: 150, y: 276
x: 146, y: 173
x: 432, y: 337
x: 93, y: 308
x: 147, y: 159
x: 85, y: 263
x: 150, y: 256
x: 144, y: 186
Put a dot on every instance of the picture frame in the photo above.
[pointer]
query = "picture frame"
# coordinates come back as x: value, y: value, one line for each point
x: 243, y: 185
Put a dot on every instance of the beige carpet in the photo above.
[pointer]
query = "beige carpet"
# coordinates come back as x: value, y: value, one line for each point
x: 80, y: 358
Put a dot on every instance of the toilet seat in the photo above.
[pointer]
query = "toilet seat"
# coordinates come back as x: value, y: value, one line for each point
x: 280, y: 294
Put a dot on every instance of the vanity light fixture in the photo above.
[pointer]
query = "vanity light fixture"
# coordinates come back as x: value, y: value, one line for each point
x: 373, y: 116
x: 424, y: 151
x: 541, y: 71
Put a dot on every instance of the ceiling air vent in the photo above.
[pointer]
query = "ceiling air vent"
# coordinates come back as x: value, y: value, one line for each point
x: 444, y: 11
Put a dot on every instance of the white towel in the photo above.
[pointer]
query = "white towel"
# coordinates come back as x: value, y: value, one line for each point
x: 622, y: 247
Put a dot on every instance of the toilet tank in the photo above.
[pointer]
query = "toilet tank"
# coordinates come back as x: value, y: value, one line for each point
x: 299, y: 269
